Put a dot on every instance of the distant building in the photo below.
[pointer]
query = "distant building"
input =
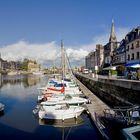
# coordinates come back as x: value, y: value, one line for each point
x: 87, y: 62
x: 91, y: 60
x: 3, y: 64
x: 12, y: 65
x: 95, y: 58
x: 33, y: 66
x: 133, y: 46
x: 99, y: 55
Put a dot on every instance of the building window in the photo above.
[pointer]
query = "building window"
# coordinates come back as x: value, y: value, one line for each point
x: 126, y: 38
x: 132, y: 58
x: 132, y: 46
x: 128, y: 57
x: 127, y: 48
x: 137, y: 44
x: 132, y: 37
x: 138, y: 55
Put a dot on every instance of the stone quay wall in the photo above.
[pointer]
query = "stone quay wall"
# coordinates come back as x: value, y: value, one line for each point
x: 114, y: 92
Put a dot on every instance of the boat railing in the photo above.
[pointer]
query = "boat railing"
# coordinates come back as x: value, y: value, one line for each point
x: 129, y: 114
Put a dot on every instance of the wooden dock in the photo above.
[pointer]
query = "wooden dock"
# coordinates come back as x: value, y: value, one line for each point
x: 95, y: 108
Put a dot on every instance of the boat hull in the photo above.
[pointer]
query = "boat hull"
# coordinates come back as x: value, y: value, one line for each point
x: 1, y: 107
x: 61, y: 114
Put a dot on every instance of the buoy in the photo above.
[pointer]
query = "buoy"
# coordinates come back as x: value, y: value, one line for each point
x: 89, y: 101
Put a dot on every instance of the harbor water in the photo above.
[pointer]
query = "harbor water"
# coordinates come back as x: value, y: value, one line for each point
x: 19, y: 95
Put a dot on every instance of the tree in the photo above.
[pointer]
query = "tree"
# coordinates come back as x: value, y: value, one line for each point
x: 24, y: 64
x: 120, y: 70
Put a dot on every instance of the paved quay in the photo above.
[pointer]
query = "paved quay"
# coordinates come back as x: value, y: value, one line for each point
x: 95, y: 108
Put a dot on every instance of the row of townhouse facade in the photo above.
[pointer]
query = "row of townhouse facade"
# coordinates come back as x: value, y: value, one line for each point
x: 8, y: 65
x: 114, y: 53
x: 133, y: 46
x: 29, y: 65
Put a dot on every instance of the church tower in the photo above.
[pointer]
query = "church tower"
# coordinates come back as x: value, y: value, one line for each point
x: 112, y: 38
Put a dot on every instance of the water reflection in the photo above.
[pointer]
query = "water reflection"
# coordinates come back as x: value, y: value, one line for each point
x: 25, y: 80
x: 64, y: 126
x: 20, y: 87
x: 59, y: 123
x: 19, y: 95
x: 1, y: 113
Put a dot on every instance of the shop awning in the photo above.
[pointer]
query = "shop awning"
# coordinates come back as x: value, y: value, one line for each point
x: 136, y: 66
x: 133, y: 65
x: 110, y: 68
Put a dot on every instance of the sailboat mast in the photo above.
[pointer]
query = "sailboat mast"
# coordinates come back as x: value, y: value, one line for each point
x: 62, y: 59
x: 64, y: 62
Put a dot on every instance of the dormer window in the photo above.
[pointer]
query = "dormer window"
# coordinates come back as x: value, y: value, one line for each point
x: 126, y: 38
x: 132, y: 37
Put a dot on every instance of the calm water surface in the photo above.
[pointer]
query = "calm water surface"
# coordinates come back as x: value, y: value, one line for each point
x: 19, y: 94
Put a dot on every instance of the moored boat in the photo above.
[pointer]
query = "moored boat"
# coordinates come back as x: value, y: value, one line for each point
x: 1, y: 107
x: 55, y: 99
x: 60, y: 112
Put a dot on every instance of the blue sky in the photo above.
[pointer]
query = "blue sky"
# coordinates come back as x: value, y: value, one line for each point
x: 80, y: 23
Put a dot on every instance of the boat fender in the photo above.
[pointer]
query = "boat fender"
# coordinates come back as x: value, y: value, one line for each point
x: 89, y: 101
x: 76, y: 115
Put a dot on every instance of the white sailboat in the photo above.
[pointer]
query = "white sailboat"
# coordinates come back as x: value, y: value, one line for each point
x: 59, y: 107
x: 56, y: 99
x: 58, y: 89
x: 60, y: 111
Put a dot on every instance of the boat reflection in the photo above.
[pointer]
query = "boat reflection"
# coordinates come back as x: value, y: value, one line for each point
x: 59, y: 123
x: 65, y: 126
x: 1, y: 113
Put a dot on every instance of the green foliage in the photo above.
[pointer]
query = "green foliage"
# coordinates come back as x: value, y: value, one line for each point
x: 24, y: 65
x: 113, y: 72
x: 120, y: 70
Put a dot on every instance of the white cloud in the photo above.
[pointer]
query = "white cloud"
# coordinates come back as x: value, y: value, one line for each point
x: 22, y: 49
x: 48, y: 52
x: 42, y: 53
x: 76, y: 54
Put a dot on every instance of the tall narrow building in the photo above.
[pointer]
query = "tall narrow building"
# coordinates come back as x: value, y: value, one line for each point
x: 112, y: 38
x: 110, y: 46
